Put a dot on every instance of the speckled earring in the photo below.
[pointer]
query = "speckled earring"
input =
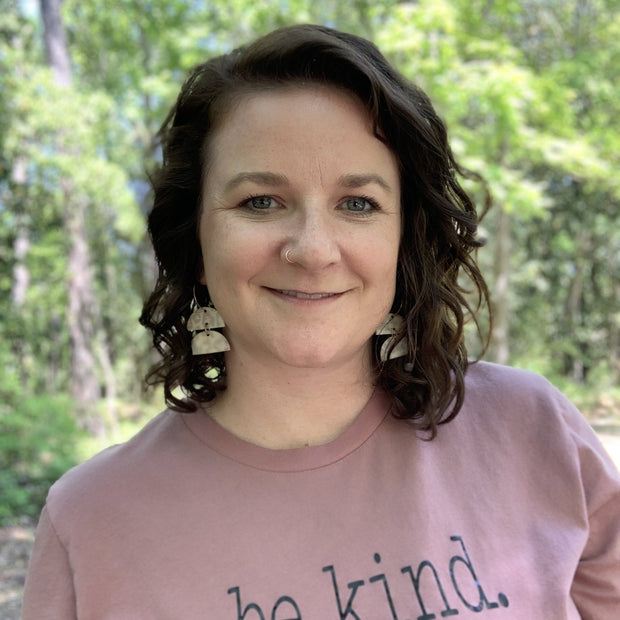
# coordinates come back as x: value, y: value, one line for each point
x: 202, y: 323
x: 389, y: 327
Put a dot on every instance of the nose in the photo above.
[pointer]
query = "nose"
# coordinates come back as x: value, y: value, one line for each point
x: 313, y: 244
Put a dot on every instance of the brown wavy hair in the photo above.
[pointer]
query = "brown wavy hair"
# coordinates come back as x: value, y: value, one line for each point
x: 438, y: 231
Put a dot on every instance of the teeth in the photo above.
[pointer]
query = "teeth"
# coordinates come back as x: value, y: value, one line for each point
x: 307, y: 295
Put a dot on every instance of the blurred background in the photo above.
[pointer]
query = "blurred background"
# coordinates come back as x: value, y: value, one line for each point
x: 530, y: 91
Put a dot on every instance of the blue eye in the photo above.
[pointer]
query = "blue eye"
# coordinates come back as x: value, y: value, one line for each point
x: 360, y: 204
x: 261, y: 202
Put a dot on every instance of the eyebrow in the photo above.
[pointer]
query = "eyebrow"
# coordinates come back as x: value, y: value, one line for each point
x: 273, y: 179
x: 353, y: 181
x: 262, y: 178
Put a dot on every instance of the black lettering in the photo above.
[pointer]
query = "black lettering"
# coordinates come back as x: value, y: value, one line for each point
x: 388, y: 594
x: 482, y: 601
x: 448, y: 611
x: 502, y: 599
x: 281, y: 601
x: 353, y: 586
x: 250, y: 607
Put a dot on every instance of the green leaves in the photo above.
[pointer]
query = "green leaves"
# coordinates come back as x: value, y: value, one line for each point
x: 530, y: 92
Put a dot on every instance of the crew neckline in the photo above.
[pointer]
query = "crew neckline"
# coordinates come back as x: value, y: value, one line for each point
x: 218, y: 439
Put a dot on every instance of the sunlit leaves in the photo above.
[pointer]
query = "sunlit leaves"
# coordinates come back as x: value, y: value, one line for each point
x: 529, y: 90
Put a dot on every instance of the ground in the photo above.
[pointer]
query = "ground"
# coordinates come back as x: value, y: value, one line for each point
x: 16, y: 542
x: 15, y: 545
x: 612, y: 444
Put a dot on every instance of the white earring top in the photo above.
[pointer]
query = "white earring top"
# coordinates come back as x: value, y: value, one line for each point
x: 389, y: 327
x: 202, y: 322
x: 204, y: 318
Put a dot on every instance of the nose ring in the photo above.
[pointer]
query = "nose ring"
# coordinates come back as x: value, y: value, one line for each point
x: 287, y: 257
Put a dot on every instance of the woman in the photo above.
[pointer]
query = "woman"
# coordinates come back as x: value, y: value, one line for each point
x: 310, y: 233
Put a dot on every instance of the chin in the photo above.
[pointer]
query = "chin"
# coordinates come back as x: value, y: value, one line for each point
x: 319, y: 358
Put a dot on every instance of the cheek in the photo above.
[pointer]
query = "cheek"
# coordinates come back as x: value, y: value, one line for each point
x: 230, y: 258
x: 383, y: 258
x: 378, y: 264
x: 217, y: 262
x: 385, y: 271
x: 213, y: 242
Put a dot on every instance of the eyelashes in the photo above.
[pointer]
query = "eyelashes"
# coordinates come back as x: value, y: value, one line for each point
x: 360, y: 205
x: 259, y: 203
x: 367, y: 204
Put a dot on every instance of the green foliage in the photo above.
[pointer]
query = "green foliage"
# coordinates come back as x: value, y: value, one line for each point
x: 530, y: 91
x: 37, y: 445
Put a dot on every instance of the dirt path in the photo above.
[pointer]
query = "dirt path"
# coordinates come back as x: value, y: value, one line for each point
x: 612, y: 445
x: 15, y: 545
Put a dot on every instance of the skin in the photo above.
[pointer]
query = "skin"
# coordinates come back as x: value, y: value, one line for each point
x: 298, y: 170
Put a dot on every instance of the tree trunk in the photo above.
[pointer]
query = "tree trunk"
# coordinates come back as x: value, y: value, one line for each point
x: 575, y: 365
x: 21, y: 244
x: 81, y: 310
x: 105, y: 362
x: 56, y: 41
x: 21, y: 273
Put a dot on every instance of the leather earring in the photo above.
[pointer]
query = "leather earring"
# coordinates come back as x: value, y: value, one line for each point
x: 390, y: 327
x: 202, y: 322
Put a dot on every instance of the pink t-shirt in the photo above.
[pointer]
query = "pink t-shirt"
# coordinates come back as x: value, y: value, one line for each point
x: 513, y: 511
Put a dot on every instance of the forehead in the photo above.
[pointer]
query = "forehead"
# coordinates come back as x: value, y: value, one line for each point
x: 298, y: 123
x: 241, y: 96
x: 287, y: 103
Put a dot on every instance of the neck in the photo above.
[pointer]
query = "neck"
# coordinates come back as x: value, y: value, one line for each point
x: 286, y: 407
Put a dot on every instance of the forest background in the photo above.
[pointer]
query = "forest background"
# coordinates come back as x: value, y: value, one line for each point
x: 530, y: 91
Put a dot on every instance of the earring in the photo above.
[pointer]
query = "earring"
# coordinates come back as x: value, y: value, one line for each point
x: 203, y: 321
x: 390, y: 327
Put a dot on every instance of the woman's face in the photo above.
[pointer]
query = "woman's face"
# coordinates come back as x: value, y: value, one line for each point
x: 299, y: 171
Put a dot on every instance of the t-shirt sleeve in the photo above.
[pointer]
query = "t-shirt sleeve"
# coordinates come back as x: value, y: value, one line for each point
x: 49, y: 592
x: 596, y: 586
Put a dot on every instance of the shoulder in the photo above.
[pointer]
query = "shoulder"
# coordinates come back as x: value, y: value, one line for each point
x: 119, y: 471
x: 495, y: 379
x: 520, y: 407
x: 517, y: 394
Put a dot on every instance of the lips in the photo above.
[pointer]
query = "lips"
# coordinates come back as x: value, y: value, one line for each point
x: 300, y: 295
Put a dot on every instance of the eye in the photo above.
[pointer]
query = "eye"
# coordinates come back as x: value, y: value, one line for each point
x: 360, y: 204
x: 260, y: 203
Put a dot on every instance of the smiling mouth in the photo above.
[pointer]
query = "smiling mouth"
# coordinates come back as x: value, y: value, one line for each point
x: 298, y: 295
